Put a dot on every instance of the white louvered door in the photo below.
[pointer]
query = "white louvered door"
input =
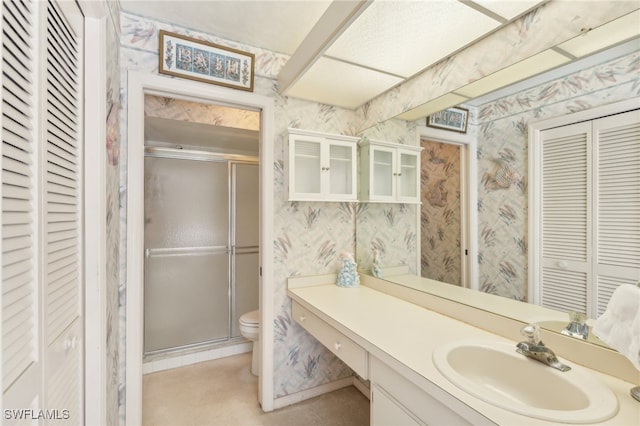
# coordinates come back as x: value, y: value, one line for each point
x: 42, y: 254
x: 590, y: 212
x: 565, y: 220
x: 617, y: 203
x: 21, y: 353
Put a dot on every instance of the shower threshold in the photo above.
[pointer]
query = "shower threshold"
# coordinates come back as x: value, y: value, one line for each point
x: 186, y: 355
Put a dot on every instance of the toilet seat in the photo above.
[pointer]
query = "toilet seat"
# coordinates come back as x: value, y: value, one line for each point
x: 250, y: 319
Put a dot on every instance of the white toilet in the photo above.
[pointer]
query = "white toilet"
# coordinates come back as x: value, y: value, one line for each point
x: 250, y: 329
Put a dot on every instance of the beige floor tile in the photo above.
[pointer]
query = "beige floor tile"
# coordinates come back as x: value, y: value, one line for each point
x: 223, y: 392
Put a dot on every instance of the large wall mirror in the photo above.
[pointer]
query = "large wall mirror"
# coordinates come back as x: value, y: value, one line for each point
x: 497, y: 229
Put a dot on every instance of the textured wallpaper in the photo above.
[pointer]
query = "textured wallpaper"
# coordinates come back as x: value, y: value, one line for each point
x: 112, y: 205
x: 215, y: 115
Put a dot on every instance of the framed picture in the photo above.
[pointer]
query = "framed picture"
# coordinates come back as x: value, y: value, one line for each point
x: 450, y: 119
x: 199, y: 60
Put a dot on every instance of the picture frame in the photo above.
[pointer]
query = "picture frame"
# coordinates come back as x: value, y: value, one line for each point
x: 450, y: 119
x: 199, y: 60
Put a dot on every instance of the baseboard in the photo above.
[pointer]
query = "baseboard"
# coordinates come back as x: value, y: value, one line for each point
x: 363, y: 386
x: 294, y: 398
x: 195, y: 357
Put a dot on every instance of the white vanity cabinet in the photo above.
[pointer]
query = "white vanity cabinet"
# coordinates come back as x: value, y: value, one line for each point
x: 352, y: 354
x: 389, y: 172
x: 395, y: 400
x: 322, y: 167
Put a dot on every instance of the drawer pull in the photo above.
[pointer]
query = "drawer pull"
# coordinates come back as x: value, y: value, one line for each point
x: 302, y: 318
x: 337, y: 346
x: 70, y: 343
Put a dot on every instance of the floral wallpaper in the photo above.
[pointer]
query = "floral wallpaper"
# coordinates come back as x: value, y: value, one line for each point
x: 390, y: 229
x: 215, y: 115
x: 440, y: 213
x: 502, y: 128
x: 112, y: 204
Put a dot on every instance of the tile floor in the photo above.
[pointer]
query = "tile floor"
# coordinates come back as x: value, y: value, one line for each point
x: 223, y: 392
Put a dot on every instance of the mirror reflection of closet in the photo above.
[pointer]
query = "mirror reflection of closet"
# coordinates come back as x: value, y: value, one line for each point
x: 201, y: 225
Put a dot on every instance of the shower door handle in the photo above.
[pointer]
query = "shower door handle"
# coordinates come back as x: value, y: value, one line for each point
x: 186, y: 251
x: 244, y: 249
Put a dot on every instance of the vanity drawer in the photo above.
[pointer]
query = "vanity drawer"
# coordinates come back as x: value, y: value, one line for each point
x: 344, y: 348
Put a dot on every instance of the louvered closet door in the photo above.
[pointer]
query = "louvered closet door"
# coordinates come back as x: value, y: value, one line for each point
x: 566, y: 202
x: 617, y: 257
x: 62, y: 216
x: 21, y: 364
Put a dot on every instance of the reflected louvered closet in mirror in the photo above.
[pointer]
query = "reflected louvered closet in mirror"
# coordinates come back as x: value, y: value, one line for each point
x: 588, y: 212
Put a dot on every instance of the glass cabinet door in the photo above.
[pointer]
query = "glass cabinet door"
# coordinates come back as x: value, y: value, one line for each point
x: 389, y: 172
x: 408, y: 176
x: 308, y: 163
x: 322, y: 167
x: 341, y: 160
x: 383, y: 172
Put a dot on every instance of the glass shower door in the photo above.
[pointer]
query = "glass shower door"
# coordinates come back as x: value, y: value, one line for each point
x: 245, y: 239
x: 186, y: 286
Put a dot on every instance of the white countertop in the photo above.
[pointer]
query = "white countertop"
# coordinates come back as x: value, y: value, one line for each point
x: 390, y: 327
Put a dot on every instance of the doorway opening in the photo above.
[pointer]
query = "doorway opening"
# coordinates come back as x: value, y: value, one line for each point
x: 139, y: 85
x: 440, y: 212
x: 448, y: 220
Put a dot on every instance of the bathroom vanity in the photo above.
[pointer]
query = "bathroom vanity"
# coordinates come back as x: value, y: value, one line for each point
x: 391, y: 342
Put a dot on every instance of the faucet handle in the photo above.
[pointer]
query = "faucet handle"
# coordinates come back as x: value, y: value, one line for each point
x: 532, y: 333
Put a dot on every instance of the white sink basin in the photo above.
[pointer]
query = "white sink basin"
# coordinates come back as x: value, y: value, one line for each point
x: 495, y: 373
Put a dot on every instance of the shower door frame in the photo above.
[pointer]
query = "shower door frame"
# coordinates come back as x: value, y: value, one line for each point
x: 140, y: 84
x: 230, y: 248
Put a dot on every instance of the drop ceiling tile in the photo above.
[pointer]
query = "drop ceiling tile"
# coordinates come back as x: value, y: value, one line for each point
x: 276, y: 25
x: 337, y: 83
x: 403, y: 38
x: 509, y: 9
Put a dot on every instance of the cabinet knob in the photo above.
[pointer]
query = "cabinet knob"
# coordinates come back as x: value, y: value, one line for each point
x: 70, y: 343
x: 562, y: 264
x: 302, y: 318
x: 337, y: 346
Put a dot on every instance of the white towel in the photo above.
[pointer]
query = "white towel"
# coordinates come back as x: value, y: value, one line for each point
x: 619, y: 325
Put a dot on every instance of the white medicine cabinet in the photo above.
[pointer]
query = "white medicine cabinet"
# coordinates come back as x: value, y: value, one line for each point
x: 322, y: 167
x: 389, y: 172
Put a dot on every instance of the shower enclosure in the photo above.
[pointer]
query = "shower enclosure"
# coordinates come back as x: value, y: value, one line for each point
x: 201, y: 248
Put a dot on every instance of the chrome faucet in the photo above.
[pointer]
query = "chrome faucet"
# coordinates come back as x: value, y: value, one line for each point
x: 535, y: 349
x: 577, y: 326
